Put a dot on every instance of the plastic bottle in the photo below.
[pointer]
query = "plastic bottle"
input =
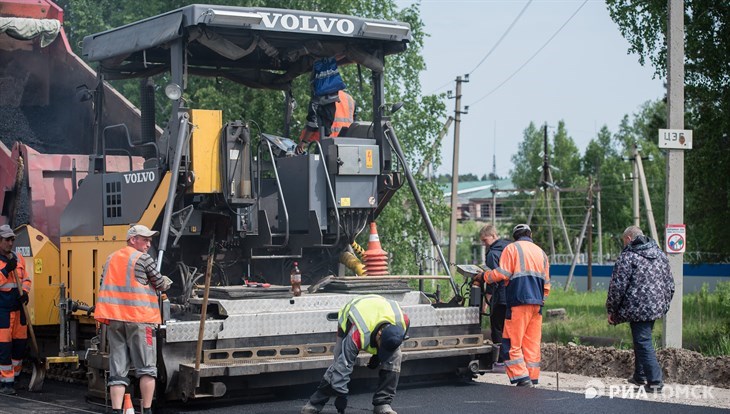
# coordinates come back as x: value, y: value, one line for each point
x: 296, y: 280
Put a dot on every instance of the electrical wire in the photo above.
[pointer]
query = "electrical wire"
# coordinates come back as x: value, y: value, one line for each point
x: 502, y: 37
x: 531, y: 57
x: 493, y: 47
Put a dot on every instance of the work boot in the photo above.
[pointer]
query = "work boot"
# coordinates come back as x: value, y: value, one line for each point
x: 525, y: 383
x: 8, y: 390
x: 383, y: 409
x: 147, y: 410
x: 309, y: 409
x: 637, y: 382
x: 654, y: 388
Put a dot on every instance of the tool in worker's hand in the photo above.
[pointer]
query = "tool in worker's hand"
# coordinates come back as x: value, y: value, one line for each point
x: 39, y: 366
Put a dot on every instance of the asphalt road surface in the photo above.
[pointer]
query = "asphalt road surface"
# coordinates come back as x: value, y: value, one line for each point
x: 453, y: 398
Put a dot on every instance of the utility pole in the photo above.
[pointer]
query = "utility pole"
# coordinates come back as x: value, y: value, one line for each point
x: 455, y: 170
x: 546, y: 181
x: 672, y: 335
x: 635, y: 181
x: 600, y: 229
x: 645, y: 193
x: 589, y: 245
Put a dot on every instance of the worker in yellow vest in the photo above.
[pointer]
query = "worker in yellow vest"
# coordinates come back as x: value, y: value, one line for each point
x: 128, y: 303
x: 372, y: 324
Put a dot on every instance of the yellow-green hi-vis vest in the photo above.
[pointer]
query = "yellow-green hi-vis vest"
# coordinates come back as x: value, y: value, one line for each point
x: 367, y: 313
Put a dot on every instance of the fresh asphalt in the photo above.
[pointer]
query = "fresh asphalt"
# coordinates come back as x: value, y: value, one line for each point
x: 462, y: 398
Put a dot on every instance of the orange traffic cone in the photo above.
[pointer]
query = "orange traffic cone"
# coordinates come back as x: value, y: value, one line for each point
x: 127, y: 407
x: 375, y: 258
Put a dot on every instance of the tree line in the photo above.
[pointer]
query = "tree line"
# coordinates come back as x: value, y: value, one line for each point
x: 419, y: 123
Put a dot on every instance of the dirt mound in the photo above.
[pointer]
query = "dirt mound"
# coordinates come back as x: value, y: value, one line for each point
x: 679, y: 365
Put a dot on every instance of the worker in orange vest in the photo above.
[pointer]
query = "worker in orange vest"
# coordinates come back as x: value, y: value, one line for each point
x: 13, y: 326
x: 336, y: 111
x: 525, y: 270
x: 127, y: 302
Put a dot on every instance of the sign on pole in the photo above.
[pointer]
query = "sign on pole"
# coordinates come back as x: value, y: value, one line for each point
x: 675, y: 238
x: 675, y: 138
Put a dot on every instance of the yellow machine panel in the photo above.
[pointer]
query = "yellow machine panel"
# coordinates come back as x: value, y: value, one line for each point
x: 42, y: 265
x: 83, y: 257
x: 205, y: 149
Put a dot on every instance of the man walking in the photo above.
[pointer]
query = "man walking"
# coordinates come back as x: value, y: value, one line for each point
x: 640, y: 292
x: 128, y: 303
x: 496, y: 293
x: 373, y: 324
x: 525, y: 270
x: 13, y: 326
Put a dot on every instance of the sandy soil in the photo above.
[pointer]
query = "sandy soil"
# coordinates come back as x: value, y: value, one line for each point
x: 690, y: 378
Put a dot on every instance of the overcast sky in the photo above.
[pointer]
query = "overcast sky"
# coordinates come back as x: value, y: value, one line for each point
x: 583, y: 76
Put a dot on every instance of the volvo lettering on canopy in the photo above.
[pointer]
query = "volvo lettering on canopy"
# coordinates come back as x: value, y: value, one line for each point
x: 308, y: 23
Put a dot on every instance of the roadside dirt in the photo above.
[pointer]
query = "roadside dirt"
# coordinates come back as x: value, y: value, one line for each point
x: 689, y: 377
x: 679, y: 365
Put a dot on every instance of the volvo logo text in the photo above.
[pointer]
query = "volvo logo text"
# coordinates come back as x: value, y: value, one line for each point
x: 308, y: 23
x: 139, y: 177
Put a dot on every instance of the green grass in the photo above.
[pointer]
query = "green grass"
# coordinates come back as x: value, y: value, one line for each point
x: 706, y: 319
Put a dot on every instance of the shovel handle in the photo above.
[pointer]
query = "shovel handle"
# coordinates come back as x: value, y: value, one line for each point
x: 28, y: 323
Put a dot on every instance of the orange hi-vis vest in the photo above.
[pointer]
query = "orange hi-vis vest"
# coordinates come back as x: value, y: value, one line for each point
x: 121, y: 296
x: 344, y: 113
x: 344, y: 116
x: 8, y: 284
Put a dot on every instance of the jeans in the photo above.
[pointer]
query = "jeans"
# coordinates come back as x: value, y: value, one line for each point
x: 646, y: 366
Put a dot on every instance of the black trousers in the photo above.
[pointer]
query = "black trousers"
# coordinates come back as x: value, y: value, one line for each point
x: 496, y: 321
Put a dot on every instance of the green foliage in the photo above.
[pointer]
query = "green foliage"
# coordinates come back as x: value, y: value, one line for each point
x: 707, y: 103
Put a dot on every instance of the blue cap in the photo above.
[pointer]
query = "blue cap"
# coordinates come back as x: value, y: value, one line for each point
x: 391, y: 337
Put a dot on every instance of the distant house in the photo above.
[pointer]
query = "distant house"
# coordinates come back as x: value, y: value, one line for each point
x: 476, y: 199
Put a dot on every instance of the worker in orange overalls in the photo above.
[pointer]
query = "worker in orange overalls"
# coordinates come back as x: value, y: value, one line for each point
x: 336, y: 111
x: 525, y: 270
x: 13, y: 326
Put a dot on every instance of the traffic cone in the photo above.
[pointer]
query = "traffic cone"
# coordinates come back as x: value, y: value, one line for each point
x: 127, y: 407
x: 375, y: 258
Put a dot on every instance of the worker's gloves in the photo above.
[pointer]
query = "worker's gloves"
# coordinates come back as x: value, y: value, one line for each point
x: 300, y: 147
x: 374, y: 362
x: 166, y: 283
x: 23, y: 298
x: 12, y: 263
x: 341, y: 403
x: 478, y: 279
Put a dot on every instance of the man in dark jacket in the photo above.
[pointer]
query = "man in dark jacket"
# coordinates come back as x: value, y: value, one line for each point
x: 640, y: 292
x: 498, y: 301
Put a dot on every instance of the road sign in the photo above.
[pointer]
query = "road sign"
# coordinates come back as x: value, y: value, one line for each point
x: 675, y: 238
x: 675, y: 138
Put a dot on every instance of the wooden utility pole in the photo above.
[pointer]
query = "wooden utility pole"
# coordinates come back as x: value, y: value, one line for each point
x: 455, y: 174
x: 645, y: 193
x: 589, y: 246
x: 600, y: 229
x: 546, y: 182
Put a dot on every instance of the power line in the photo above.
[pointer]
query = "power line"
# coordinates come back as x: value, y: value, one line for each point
x: 502, y: 37
x: 492, y: 49
x: 531, y: 57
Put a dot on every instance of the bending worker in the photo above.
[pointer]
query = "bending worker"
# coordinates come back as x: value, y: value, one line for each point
x: 127, y: 302
x: 525, y: 271
x: 13, y: 326
x: 368, y: 323
x: 336, y: 111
